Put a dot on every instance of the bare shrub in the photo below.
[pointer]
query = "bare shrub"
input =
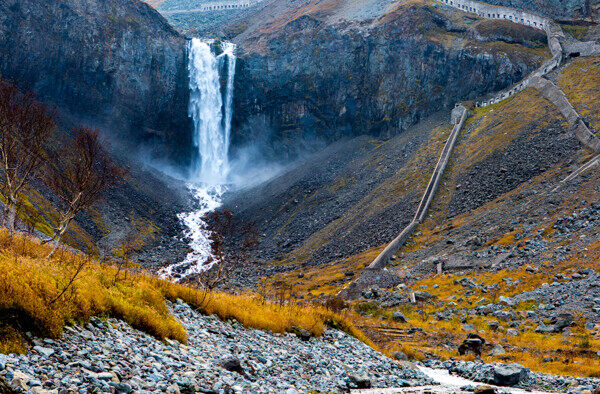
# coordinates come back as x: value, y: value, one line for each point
x: 78, y: 174
x: 25, y: 127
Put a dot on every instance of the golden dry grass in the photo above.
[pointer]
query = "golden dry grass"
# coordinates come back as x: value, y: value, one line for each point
x: 323, y: 280
x: 581, y: 83
x: 31, y: 288
x: 568, y: 353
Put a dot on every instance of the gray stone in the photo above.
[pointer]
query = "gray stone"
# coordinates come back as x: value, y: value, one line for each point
x: 360, y: 381
x: 44, y: 351
x: 398, y: 317
x: 512, y: 332
x: 400, y: 356
x: 104, y: 376
x: 484, y: 390
x: 498, y: 350
x: 302, y: 333
x: 543, y: 329
x: 509, y: 375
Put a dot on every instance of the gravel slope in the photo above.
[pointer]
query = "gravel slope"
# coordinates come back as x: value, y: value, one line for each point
x: 220, y: 357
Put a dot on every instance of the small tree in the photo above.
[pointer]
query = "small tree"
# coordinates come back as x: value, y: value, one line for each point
x: 78, y: 174
x: 231, y: 243
x: 25, y: 127
x: 143, y: 231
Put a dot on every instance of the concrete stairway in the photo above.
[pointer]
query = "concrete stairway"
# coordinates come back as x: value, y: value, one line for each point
x: 375, y: 272
x: 434, y: 183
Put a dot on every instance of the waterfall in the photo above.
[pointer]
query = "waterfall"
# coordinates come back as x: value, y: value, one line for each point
x: 211, y: 110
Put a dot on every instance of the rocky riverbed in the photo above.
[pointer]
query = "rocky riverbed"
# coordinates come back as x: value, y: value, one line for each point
x: 220, y: 357
x: 515, y: 375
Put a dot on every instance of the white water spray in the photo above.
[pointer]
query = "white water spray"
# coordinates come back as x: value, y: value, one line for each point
x: 211, y: 110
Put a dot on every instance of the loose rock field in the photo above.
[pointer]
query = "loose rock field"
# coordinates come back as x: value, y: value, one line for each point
x: 220, y: 357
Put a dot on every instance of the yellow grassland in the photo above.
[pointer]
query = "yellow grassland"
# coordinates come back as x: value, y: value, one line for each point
x: 35, y: 296
x: 580, y: 81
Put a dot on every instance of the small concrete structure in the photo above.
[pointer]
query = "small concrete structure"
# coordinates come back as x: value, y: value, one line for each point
x: 456, y: 114
x: 557, y: 42
x: 553, y: 31
x: 439, y: 267
x: 215, y: 6
x: 557, y: 97
x: 496, y: 12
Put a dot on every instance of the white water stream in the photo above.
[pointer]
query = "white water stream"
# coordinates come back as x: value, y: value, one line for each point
x: 444, y: 378
x: 210, y: 109
x: 448, y: 384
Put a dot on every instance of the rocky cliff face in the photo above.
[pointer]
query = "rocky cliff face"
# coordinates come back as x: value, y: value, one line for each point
x: 116, y: 63
x: 306, y: 78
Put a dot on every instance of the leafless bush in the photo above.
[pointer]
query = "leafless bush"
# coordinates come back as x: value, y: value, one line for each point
x: 25, y: 127
x: 336, y: 304
x: 231, y: 243
x: 143, y: 231
x: 78, y: 174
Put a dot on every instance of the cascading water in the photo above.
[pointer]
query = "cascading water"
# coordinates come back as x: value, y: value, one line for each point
x: 210, y: 109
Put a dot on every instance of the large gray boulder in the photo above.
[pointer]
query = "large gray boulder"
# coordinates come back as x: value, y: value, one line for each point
x: 398, y: 317
x: 509, y: 375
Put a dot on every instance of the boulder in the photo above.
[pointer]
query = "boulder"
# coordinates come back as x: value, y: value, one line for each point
x: 233, y: 365
x: 512, y: 332
x: 124, y: 388
x: 562, y: 321
x: 44, y: 351
x: 474, y: 242
x: 484, y: 390
x: 472, y: 344
x: 542, y: 328
x: 506, y: 301
x: 301, y: 333
x: 399, y: 356
x: 498, y: 350
x: 509, y: 375
x: 398, y: 317
x: 465, y: 282
x: 423, y: 296
x: 360, y: 381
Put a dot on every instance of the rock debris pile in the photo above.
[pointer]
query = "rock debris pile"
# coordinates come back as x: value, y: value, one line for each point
x: 220, y: 357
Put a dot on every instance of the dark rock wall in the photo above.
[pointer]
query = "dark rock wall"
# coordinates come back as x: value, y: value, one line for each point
x: 114, y: 63
x: 315, y: 82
